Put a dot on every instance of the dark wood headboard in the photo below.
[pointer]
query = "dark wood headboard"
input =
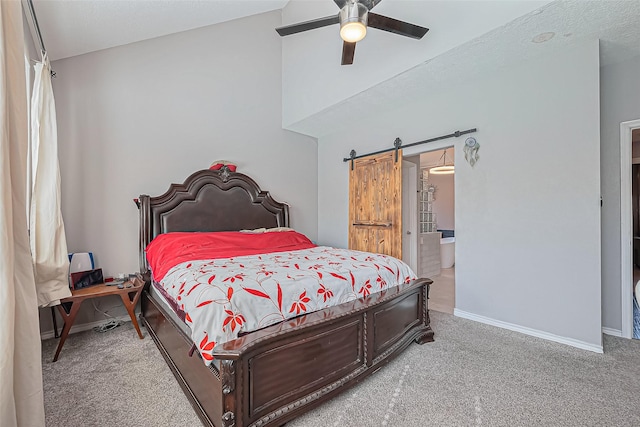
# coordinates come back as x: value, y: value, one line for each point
x: 208, y: 200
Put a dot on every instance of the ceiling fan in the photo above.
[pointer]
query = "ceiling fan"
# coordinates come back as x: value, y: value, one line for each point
x: 354, y: 17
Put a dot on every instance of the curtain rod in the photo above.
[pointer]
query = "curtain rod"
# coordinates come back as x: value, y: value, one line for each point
x: 34, y: 19
x: 397, y: 144
x: 36, y: 26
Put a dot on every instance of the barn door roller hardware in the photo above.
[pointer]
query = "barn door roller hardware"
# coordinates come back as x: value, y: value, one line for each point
x: 397, y: 144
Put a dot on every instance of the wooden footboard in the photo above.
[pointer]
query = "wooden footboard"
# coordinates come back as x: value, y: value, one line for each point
x: 273, y: 375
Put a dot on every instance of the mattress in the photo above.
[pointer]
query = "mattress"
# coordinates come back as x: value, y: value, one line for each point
x: 168, y: 308
x: 225, y: 284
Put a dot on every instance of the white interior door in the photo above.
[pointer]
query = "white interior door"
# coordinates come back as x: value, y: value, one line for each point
x: 410, y: 214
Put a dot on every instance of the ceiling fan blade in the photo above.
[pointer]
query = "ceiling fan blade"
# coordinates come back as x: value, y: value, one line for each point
x: 308, y: 25
x: 348, y: 50
x: 395, y: 26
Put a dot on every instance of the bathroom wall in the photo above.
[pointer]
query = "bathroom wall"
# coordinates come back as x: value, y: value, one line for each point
x: 429, y: 255
x: 444, y: 205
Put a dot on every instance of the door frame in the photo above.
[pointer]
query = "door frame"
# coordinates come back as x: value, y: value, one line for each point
x: 626, y: 226
x: 412, y: 209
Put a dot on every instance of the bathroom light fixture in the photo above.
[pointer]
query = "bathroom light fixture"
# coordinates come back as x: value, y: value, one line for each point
x: 353, y: 22
x: 445, y: 168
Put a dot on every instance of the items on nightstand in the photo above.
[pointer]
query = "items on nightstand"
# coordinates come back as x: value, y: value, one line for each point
x: 78, y: 262
x: 81, y: 261
x: 84, y: 279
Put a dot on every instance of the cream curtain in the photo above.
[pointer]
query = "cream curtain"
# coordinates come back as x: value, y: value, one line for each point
x: 48, y: 240
x: 21, y: 395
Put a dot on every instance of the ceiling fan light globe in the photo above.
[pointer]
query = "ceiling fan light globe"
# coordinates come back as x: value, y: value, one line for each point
x: 353, y: 21
x: 353, y: 32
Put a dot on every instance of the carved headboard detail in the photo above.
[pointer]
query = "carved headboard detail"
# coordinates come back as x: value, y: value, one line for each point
x: 208, y: 200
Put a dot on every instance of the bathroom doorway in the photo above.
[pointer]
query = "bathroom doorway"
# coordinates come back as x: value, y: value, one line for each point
x: 436, y: 225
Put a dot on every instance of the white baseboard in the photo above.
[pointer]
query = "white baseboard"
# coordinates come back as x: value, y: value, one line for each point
x: 528, y: 331
x: 613, y: 332
x: 83, y: 327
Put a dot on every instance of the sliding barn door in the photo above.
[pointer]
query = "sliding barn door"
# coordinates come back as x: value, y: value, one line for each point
x: 375, y: 204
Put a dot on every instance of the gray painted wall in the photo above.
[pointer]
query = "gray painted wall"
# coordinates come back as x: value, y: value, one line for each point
x: 527, y: 215
x: 620, y: 101
x: 136, y: 118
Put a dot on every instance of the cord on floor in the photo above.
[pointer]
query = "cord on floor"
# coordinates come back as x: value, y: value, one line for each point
x: 108, y: 325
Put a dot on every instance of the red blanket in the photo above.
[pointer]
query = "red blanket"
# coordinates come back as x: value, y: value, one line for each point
x: 170, y: 249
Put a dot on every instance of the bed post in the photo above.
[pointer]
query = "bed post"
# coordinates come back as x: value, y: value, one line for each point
x: 229, y: 400
x: 145, y: 230
x: 427, y: 336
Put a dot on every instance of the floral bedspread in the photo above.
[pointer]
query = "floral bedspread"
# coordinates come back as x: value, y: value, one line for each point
x: 224, y: 297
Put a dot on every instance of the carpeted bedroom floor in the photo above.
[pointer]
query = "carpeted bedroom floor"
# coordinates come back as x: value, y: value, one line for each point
x: 473, y: 374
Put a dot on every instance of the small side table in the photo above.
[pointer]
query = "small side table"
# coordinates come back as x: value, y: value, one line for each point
x: 130, y: 297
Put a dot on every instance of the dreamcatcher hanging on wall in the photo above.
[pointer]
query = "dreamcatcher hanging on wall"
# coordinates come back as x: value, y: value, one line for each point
x: 471, y: 148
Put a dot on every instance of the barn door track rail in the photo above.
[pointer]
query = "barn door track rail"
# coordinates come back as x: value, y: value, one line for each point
x: 397, y: 144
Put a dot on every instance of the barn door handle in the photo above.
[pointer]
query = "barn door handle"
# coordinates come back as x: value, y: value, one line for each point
x: 374, y: 223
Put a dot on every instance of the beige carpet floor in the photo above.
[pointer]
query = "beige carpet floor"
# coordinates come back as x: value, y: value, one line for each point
x: 472, y: 375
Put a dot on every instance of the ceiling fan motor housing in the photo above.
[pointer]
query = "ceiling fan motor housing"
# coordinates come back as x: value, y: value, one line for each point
x: 369, y: 4
x: 353, y: 12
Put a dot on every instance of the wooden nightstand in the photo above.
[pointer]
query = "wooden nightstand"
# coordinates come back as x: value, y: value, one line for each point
x: 130, y: 297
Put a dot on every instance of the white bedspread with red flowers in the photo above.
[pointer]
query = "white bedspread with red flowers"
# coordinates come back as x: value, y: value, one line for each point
x: 224, y: 297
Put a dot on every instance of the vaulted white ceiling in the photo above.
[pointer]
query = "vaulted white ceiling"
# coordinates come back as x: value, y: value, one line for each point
x: 71, y: 28
x: 612, y: 24
x: 466, y: 38
x: 74, y: 27
x: 313, y: 79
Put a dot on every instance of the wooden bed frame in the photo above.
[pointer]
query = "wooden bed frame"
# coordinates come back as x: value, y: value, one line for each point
x: 273, y: 375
